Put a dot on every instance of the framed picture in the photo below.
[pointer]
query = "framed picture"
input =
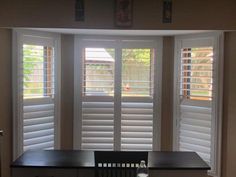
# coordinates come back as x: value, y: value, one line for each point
x: 79, y: 10
x: 123, y: 13
x: 167, y: 11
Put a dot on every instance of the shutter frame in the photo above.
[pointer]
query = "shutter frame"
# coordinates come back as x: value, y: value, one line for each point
x: 117, y: 43
x: 20, y: 37
x: 217, y: 43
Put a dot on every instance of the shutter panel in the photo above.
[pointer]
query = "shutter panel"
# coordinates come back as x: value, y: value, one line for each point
x: 195, y: 121
x: 38, y: 97
x: 97, y: 105
x: 137, y: 104
x: 119, y: 118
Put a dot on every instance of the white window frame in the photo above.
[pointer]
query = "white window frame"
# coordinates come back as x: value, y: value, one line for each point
x: 81, y: 42
x: 217, y: 101
x: 17, y: 41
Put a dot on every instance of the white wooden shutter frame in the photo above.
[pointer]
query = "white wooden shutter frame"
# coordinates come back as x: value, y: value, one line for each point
x: 80, y: 44
x: 118, y: 44
x: 202, y: 40
x: 156, y: 97
x: 29, y: 37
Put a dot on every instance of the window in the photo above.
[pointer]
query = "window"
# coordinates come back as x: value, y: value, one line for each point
x: 36, y: 91
x: 197, y: 98
x: 37, y: 71
x: 99, y: 71
x: 137, y: 72
x: 196, y: 73
x: 116, y: 88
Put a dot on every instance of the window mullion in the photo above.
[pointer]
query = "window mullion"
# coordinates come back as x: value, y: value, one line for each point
x: 78, y: 72
x: 117, y: 97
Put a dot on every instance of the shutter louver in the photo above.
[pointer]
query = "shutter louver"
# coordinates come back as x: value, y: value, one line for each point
x: 38, y: 97
x: 195, y: 121
x: 98, y: 126
x: 195, y: 130
x: 136, y: 126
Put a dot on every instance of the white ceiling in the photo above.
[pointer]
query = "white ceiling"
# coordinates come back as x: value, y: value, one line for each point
x: 119, y: 32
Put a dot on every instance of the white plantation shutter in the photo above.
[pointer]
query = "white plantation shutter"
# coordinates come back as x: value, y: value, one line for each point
x: 196, y: 112
x: 196, y: 81
x: 37, y: 99
x: 97, y: 106
x: 137, y: 93
x: 114, y: 90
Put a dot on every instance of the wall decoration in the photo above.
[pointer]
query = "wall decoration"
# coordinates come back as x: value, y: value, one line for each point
x: 123, y: 13
x: 167, y: 11
x: 79, y: 10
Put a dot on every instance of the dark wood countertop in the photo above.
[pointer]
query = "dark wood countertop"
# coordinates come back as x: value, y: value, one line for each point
x: 85, y: 159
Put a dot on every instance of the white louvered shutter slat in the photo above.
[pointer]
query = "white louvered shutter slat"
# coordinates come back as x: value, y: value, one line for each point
x: 40, y: 133
x: 45, y: 145
x: 136, y: 126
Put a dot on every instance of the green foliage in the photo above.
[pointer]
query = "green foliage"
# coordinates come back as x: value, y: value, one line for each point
x: 32, y: 58
x: 134, y: 55
x: 141, y: 56
x: 30, y: 55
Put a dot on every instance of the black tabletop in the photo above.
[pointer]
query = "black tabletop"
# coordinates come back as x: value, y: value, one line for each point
x: 85, y: 159
x: 176, y: 160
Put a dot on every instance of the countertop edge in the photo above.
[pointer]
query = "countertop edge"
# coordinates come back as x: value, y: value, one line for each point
x: 89, y: 167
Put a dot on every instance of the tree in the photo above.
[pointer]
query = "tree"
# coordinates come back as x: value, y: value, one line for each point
x: 33, y: 57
